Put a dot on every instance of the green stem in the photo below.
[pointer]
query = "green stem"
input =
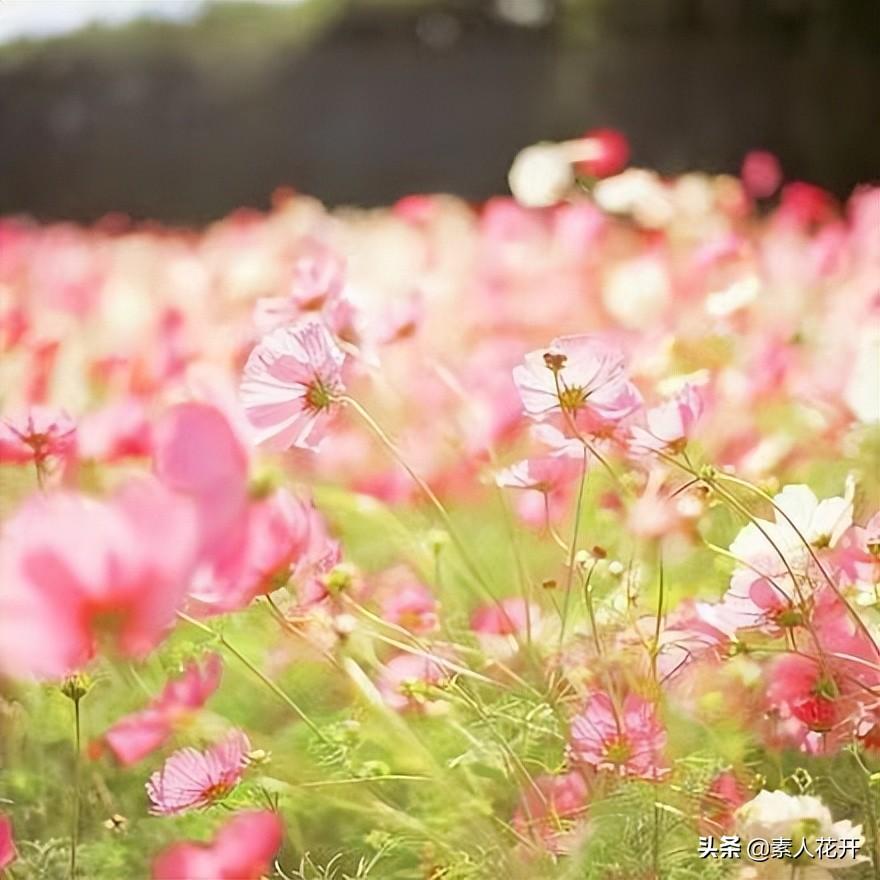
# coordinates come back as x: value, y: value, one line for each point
x: 77, y: 745
x: 284, y: 697
x: 427, y: 491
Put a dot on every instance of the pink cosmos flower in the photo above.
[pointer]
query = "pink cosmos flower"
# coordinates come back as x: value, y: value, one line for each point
x: 135, y: 736
x: 722, y: 799
x: 551, y: 815
x: 404, y: 679
x: 669, y: 425
x: 800, y: 688
x: 317, y: 285
x: 191, y: 779
x: 7, y: 846
x: 576, y: 375
x: 504, y: 618
x: 546, y: 479
x: 243, y: 849
x: 35, y: 435
x: 291, y: 383
x: 76, y: 571
x: 408, y: 602
x: 198, y: 453
x: 628, y: 741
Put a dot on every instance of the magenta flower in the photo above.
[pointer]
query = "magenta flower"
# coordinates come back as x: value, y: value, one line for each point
x: 7, y: 846
x: 139, y: 734
x: 243, y: 849
x: 191, y: 779
x: 291, y: 384
x: 576, y: 375
x: 628, y: 740
x: 77, y: 572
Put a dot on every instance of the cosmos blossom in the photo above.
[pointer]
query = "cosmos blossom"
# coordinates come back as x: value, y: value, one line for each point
x: 576, y: 375
x: 551, y: 814
x: 242, y: 849
x: 36, y: 434
x: 139, y: 734
x: 669, y: 425
x: 191, y: 779
x: 7, y: 846
x: 291, y: 383
x: 78, y: 572
x: 628, y: 740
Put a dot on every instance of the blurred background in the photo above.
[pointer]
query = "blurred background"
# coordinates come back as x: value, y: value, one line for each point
x: 182, y: 110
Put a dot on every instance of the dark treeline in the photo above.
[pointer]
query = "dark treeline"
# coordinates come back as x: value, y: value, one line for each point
x: 183, y: 124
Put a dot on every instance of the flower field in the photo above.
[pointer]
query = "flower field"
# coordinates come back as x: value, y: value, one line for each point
x: 531, y: 539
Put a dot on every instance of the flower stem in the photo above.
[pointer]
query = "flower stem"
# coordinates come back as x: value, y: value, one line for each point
x: 427, y: 491
x: 284, y: 697
x: 77, y: 755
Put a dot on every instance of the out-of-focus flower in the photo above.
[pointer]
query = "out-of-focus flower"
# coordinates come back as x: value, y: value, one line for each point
x: 551, y: 815
x: 548, y: 477
x: 506, y: 617
x: 541, y: 175
x: 576, y: 373
x: 602, y: 152
x: 135, y: 736
x: 35, y: 435
x: 116, y: 431
x: 190, y: 778
x: 198, y: 454
x: 801, y: 819
x: 291, y: 383
x: 243, y: 849
x: 718, y: 807
x: 76, y: 572
x: 7, y: 845
x: 407, y: 602
x: 405, y: 682
x: 669, y: 425
x: 628, y: 740
x: 316, y: 287
x: 761, y: 173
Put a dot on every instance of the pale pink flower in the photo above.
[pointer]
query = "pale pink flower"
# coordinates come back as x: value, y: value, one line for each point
x: 575, y: 375
x: 7, y: 845
x: 405, y: 679
x: 407, y: 602
x: 77, y: 571
x: 551, y: 815
x: 35, y: 435
x: 291, y: 383
x: 628, y: 740
x: 546, y: 482
x: 670, y: 425
x: 139, y: 734
x: 191, y: 779
x: 505, y: 617
x: 316, y: 286
x: 761, y: 173
x: 243, y: 849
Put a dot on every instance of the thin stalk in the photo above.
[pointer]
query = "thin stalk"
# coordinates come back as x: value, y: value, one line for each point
x: 426, y: 490
x: 77, y: 796
x: 572, y: 550
x: 284, y: 697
